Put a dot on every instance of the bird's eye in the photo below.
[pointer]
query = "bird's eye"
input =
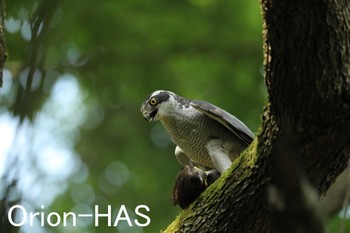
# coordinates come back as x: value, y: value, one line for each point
x: 153, y: 102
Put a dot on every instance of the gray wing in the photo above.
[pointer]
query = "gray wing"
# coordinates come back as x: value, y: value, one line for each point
x: 228, y: 120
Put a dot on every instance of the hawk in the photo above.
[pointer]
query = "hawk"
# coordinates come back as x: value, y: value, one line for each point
x: 205, y: 135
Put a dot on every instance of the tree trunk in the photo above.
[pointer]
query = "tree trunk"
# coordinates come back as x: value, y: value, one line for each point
x: 3, y: 54
x: 4, y: 224
x: 307, y: 121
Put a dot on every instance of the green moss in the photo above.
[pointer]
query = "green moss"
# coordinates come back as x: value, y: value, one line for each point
x: 250, y: 155
x: 175, y: 224
x: 240, y: 169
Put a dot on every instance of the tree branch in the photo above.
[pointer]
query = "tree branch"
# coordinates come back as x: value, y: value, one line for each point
x: 307, y: 62
x: 3, y: 54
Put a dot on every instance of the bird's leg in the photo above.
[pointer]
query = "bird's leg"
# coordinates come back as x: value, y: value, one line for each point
x: 182, y: 157
x: 218, y: 155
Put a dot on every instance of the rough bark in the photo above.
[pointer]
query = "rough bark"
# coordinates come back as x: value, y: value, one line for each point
x: 307, y: 65
x: 3, y: 54
x: 4, y: 225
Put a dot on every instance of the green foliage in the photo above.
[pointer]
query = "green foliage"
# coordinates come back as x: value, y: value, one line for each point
x: 119, y: 52
x: 337, y: 223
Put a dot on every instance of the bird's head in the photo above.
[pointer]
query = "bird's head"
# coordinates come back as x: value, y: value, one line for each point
x: 158, y: 104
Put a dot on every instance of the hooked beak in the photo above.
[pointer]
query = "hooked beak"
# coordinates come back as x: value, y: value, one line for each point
x: 148, y: 112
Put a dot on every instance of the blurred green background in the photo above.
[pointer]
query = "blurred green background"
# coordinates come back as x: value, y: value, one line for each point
x: 76, y: 75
